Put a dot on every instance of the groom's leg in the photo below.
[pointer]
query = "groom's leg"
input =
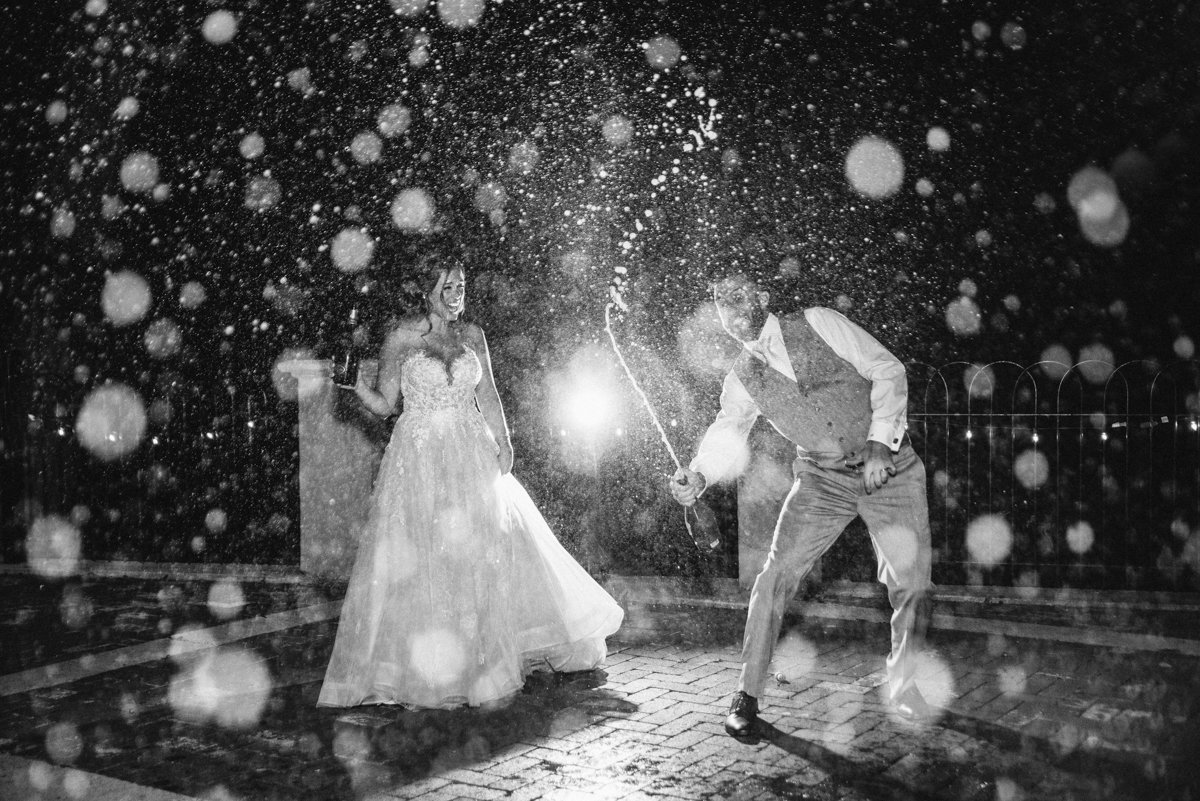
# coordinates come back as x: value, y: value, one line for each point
x: 820, y: 505
x: 897, y: 516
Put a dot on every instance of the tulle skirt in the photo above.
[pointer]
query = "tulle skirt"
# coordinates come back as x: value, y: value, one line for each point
x: 459, y: 588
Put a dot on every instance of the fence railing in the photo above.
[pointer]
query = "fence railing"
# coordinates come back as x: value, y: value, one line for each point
x: 1048, y: 474
x: 1040, y: 475
x: 213, y: 478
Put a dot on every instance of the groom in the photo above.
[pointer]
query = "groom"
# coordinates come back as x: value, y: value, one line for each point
x: 841, y: 398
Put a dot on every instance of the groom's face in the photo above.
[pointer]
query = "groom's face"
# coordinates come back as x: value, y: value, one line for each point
x: 742, y: 307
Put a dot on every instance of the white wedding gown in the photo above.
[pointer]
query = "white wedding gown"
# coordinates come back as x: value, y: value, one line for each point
x: 459, y: 588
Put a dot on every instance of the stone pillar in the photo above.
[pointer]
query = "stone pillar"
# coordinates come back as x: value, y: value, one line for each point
x: 761, y: 489
x: 340, y: 446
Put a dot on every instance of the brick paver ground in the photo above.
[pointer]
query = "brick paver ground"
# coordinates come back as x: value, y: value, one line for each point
x: 1024, y: 718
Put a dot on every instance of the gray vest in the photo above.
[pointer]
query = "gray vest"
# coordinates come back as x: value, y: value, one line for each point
x: 827, y: 411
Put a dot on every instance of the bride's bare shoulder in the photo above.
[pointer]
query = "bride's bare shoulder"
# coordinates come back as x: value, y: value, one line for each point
x: 405, y: 334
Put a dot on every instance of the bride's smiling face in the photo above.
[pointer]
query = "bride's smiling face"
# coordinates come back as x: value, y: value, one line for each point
x: 449, y: 295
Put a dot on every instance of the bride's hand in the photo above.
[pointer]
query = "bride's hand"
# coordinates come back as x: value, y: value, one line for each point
x: 506, y: 457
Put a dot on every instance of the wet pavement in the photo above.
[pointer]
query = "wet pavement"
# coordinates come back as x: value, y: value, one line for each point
x: 157, y: 688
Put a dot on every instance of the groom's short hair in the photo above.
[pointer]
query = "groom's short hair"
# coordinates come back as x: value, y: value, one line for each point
x: 764, y: 277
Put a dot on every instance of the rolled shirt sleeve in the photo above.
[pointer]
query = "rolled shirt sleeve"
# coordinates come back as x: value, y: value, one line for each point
x: 723, y: 451
x: 889, y: 382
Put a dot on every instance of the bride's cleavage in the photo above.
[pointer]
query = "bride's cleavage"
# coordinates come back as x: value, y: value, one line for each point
x: 446, y: 363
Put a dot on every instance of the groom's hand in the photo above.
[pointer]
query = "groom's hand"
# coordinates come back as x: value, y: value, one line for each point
x: 686, y: 486
x: 879, y: 466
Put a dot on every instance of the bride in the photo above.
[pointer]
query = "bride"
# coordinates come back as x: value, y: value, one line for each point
x: 459, y: 589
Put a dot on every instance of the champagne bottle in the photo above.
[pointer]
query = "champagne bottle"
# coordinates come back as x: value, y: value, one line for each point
x: 346, y: 356
x: 701, y: 523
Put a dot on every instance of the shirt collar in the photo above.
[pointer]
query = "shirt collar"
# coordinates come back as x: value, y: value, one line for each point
x: 770, y: 330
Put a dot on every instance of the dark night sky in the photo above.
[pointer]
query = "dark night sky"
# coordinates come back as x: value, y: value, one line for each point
x: 1029, y: 93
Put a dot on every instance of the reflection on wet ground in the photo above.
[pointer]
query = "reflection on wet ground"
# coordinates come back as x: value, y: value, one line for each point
x: 96, y: 690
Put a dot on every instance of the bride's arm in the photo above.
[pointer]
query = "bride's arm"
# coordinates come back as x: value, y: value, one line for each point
x: 489, y: 400
x: 383, y: 401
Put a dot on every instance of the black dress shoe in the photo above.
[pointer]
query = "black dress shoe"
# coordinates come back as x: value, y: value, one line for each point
x: 743, y: 713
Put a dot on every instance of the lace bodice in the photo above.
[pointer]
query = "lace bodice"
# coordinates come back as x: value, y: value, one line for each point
x: 428, y: 385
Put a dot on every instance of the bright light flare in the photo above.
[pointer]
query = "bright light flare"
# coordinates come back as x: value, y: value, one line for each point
x: 586, y: 392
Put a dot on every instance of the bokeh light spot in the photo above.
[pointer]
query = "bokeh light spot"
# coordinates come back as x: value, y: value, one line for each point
x: 460, y: 13
x: 963, y: 317
x: 980, y: 380
x: 1080, y: 537
x: 111, y: 422
x: 262, y: 192
x: 1096, y: 363
x: 228, y: 686
x: 125, y: 298
x: 490, y: 196
x: 989, y: 539
x: 225, y: 599
x: 352, y: 249
x: 662, y: 52
x: 938, y: 139
x: 617, y: 130
x: 366, y: 147
x: 523, y: 157
x: 393, y: 120
x: 53, y: 547
x: 412, y: 211
x: 192, y: 295
x: 62, y: 223
x: 1011, y: 679
x: 252, y: 145
x: 64, y: 743
x: 1055, y: 361
x: 1031, y: 469
x: 874, y: 167
x: 286, y: 385
x: 139, y: 172
x: 163, y: 339
x: 219, y: 27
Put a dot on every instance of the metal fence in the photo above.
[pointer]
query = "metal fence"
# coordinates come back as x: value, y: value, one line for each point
x: 1040, y: 475
x: 212, y: 480
x: 1049, y: 475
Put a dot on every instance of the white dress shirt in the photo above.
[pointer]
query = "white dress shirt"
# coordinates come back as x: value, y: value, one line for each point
x: 718, y: 456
